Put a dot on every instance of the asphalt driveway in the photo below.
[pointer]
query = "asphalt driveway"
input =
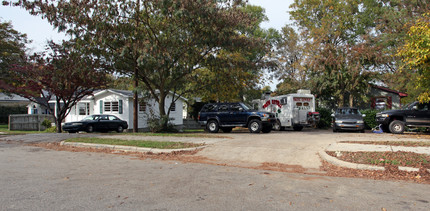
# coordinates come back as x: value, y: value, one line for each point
x: 241, y: 148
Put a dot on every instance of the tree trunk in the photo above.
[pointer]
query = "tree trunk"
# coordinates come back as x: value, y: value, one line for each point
x: 351, y: 100
x: 58, y: 124
x: 135, y: 103
x: 341, y: 99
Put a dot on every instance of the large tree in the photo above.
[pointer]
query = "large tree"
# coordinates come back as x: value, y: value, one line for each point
x: 234, y: 75
x: 339, y: 46
x: 61, y: 74
x: 157, y: 42
x: 12, y: 50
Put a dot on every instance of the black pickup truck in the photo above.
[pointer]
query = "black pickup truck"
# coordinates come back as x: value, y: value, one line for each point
x: 413, y: 115
x: 226, y: 116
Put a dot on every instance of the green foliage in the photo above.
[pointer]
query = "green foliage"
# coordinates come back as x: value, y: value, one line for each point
x: 370, y: 118
x: 12, y: 51
x: 325, y: 118
x: 338, y: 52
x: 47, y: 123
x: 160, y: 125
x: 5, y: 111
x: 416, y: 55
x: 195, y: 109
x: 51, y: 129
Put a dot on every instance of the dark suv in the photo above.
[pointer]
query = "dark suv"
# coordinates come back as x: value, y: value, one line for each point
x: 226, y: 116
x: 413, y: 115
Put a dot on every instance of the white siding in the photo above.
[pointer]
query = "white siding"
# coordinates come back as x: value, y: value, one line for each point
x: 127, y: 108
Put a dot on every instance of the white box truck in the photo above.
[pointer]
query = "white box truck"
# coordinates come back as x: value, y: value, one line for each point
x: 292, y: 110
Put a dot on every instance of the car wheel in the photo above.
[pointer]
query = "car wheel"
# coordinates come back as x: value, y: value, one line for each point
x: 212, y: 126
x: 334, y: 130
x: 255, y: 126
x: 277, y: 126
x: 73, y: 131
x: 226, y: 129
x: 120, y: 129
x: 397, y: 127
x: 267, y: 129
x: 298, y: 127
x: 362, y: 131
x: 90, y: 129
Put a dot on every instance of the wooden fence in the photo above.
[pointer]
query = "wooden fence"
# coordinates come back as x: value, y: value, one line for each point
x: 28, y: 122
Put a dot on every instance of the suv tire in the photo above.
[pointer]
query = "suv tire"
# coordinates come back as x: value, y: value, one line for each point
x: 213, y: 126
x: 255, y: 126
x: 277, y: 126
x: 267, y: 129
x: 397, y: 127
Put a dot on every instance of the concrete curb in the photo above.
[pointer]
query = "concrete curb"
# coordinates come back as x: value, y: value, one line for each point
x: 345, y: 164
x: 126, y: 148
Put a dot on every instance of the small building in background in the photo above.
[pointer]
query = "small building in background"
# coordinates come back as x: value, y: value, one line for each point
x: 383, y: 98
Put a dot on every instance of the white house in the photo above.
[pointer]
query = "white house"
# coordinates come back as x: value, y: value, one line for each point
x: 120, y: 104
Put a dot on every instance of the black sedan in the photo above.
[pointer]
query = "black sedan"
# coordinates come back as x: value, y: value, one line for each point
x: 348, y: 119
x: 97, y: 123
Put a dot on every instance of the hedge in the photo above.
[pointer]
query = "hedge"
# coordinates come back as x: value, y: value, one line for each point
x: 5, y: 111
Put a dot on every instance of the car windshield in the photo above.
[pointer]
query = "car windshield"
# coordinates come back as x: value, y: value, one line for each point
x: 353, y: 111
x: 245, y: 106
x: 409, y: 106
x: 88, y: 118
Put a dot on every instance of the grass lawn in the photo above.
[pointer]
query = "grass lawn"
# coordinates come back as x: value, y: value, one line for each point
x: 199, y: 134
x: 4, y: 129
x: 136, y: 143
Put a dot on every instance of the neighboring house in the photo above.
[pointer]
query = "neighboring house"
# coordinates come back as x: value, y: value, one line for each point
x: 37, y: 108
x: 383, y: 98
x: 120, y: 104
x: 12, y: 100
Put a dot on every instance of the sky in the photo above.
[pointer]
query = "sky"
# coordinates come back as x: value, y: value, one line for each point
x: 40, y: 31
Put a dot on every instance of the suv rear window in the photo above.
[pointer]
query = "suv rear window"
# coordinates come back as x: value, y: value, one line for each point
x: 210, y: 108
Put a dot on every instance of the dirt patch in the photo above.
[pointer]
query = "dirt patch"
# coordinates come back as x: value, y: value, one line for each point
x: 392, y: 143
x: 282, y: 167
x: 390, y: 173
x: 400, y: 158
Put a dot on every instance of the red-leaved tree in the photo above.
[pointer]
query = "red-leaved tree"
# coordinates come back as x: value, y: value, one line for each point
x: 60, y: 74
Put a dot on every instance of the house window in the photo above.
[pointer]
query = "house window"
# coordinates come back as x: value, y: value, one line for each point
x: 84, y: 108
x: 111, y: 106
x: 173, y: 107
x: 142, y: 107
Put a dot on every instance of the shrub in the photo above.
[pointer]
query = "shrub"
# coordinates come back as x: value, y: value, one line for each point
x: 370, y: 118
x: 325, y: 118
x: 5, y: 111
x: 158, y: 125
x: 51, y: 129
x: 47, y: 123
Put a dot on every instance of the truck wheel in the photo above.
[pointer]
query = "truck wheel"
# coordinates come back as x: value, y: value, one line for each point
x: 267, y: 129
x: 255, y: 126
x: 277, y: 126
x: 298, y: 128
x: 226, y: 129
x: 397, y: 127
x: 213, y: 126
